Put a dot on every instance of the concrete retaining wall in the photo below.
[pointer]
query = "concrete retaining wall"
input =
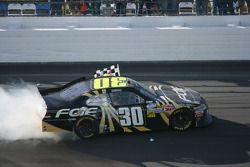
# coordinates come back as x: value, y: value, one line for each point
x: 131, y: 22
x: 201, y: 38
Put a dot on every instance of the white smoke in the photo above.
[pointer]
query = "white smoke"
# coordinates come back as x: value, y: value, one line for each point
x: 21, y: 111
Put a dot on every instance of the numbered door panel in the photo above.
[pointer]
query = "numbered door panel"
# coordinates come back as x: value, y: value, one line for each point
x: 131, y: 116
x: 130, y: 107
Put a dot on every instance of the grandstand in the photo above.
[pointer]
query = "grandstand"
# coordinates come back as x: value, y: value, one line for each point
x: 25, y: 8
x: 110, y: 8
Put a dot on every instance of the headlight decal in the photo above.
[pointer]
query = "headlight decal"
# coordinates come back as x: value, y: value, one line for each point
x: 200, y: 110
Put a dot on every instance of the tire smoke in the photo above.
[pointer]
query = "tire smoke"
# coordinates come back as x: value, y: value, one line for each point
x: 21, y: 111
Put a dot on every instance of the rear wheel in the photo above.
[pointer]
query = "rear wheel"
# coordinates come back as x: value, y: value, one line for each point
x: 86, y: 127
x: 181, y: 119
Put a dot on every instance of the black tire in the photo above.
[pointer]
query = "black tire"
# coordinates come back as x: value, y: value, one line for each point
x: 181, y: 119
x: 86, y: 127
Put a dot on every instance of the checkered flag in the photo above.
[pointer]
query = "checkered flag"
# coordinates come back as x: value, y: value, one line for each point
x: 110, y: 71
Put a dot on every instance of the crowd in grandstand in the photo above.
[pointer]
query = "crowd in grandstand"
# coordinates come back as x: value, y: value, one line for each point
x: 123, y: 7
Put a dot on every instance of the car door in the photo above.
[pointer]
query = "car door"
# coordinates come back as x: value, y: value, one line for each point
x: 131, y: 108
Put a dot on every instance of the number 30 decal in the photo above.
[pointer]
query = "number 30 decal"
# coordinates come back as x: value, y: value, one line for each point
x: 134, y: 116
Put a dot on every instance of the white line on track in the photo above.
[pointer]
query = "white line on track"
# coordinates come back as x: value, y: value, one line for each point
x: 173, y: 28
x: 233, y: 25
x: 102, y: 29
x: 50, y: 29
x: 242, y: 27
x: 71, y: 26
x: 2, y: 30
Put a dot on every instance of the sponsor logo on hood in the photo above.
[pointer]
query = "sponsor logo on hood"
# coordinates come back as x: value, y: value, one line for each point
x: 182, y: 93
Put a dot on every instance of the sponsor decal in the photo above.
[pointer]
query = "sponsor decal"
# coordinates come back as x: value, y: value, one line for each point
x: 168, y: 108
x: 76, y: 112
x: 158, y: 110
x: 152, y: 109
x: 182, y: 93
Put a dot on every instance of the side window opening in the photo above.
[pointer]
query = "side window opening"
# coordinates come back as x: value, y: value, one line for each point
x: 125, y: 98
x: 74, y: 91
x: 98, y: 100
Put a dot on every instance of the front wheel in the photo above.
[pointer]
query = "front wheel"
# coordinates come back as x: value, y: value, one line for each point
x: 86, y: 127
x: 181, y: 119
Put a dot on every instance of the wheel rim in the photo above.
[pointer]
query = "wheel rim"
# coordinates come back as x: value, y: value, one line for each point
x: 85, y: 128
x: 182, y: 120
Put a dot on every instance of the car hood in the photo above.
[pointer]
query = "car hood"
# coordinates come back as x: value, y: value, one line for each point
x: 179, y: 95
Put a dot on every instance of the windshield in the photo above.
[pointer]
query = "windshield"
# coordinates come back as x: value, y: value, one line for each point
x: 143, y: 89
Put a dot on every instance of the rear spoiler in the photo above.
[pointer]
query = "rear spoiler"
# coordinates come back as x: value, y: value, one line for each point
x: 48, y: 90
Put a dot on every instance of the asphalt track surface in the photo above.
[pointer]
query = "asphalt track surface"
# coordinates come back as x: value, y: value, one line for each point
x: 225, y: 143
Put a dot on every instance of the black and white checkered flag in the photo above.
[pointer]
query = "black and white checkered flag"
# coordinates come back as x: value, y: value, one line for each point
x: 110, y: 71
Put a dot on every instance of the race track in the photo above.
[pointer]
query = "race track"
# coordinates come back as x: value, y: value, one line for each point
x: 189, y: 51
x: 225, y: 143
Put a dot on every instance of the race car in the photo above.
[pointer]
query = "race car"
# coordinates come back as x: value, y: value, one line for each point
x: 110, y: 103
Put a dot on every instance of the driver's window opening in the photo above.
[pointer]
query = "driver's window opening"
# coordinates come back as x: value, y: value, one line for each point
x: 125, y: 98
x: 98, y: 100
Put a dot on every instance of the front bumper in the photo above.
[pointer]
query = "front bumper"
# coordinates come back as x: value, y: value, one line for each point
x: 204, y: 121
